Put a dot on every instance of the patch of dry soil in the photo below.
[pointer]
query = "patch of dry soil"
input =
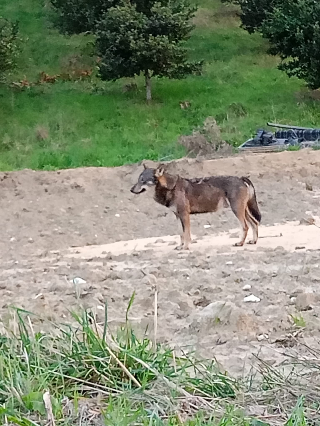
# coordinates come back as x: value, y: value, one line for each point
x: 86, y: 223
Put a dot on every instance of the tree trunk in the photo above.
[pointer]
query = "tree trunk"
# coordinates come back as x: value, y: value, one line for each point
x: 148, y: 86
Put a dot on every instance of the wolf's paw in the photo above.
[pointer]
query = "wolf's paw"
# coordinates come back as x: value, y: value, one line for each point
x: 182, y: 247
x: 240, y: 244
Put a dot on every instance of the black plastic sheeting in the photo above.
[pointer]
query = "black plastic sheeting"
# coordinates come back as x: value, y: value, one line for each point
x: 283, y: 138
x: 303, y: 135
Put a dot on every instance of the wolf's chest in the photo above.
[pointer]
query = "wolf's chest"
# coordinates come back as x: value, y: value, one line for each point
x: 164, y: 197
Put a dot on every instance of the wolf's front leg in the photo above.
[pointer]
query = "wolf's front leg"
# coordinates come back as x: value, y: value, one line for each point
x: 186, y: 234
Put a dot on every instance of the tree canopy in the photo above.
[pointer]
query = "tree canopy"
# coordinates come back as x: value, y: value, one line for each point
x: 133, y: 37
x: 78, y: 16
x: 293, y: 30
x: 145, y: 38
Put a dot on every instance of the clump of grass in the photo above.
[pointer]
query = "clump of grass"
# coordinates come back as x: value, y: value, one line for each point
x: 297, y: 416
x: 94, y: 378
x: 113, y: 374
x: 289, y: 393
x: 298, y: 320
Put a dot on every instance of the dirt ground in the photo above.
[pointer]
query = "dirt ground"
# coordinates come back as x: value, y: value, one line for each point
x: 85, y: 223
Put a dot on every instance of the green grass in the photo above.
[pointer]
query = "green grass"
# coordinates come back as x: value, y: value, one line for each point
x: 91, y: 123
x: 298, y: 320
x: 95, y: 378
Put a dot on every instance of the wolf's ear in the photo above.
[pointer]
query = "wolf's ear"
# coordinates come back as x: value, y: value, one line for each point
x: 159, y: 171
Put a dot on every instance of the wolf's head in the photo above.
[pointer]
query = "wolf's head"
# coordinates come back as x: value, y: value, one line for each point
x: 145, y: 180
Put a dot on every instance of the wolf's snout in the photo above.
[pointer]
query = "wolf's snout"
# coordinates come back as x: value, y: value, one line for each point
x: 133, y: 189
x: 136, y: 189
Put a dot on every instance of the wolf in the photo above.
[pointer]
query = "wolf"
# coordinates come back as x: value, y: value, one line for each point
x: 203, y: 195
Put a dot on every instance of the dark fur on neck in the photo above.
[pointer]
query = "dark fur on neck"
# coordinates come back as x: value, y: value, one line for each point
x: 163, y: 195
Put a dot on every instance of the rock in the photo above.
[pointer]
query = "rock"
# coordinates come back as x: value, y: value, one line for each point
x: 78, y: 280
x: 203, y: 301
x: 307, y: 221
x: 305, y: 301
x: 309, y: 187
x: 261, y: 337
x: 218, y: 312
x: 246, y: 287
x: 221, y: 313
x: 251, y: 298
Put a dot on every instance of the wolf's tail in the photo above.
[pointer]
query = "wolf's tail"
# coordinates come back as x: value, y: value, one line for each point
x: 252, y: 203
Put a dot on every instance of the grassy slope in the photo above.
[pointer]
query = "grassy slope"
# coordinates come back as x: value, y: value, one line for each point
x: 94, y: 123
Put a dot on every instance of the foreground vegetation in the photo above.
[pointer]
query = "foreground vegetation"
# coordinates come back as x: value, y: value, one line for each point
x: 89, y: 377
x: 89, y: 123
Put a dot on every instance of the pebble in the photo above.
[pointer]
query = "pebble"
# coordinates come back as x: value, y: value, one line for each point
x: 251, y: 298
x: 246, y: 287
x: 262, y: 337
x: 78, y: 280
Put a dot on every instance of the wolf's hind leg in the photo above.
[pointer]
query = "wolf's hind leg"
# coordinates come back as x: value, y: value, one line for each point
x: 238, y: 206
x: 254, y: 226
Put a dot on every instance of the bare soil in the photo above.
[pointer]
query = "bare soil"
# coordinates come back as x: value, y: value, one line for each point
x: 85, y: 223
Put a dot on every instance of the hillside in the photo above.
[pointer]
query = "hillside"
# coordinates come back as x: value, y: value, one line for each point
x: 90, y: 123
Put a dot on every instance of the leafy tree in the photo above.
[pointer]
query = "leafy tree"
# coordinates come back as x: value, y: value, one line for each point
x: 146, y: 37
x: 293, y: 30
x: 9, y: 45
x: 254, y: 12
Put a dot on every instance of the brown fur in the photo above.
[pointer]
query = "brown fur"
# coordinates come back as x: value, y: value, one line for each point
x: 194, y: 196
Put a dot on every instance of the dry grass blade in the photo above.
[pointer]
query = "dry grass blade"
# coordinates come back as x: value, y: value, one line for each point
x: 124, y: 368
x: 48, y: 407
x: 285, y: 385
x: 155, y: 318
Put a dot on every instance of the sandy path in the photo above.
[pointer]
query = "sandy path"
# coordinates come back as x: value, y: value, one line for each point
x: 291, y: 236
